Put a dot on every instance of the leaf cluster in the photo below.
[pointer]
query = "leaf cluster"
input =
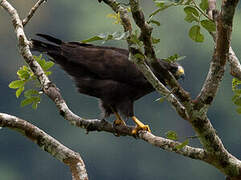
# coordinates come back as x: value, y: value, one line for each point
x: 173, y: 136
x: 194, y: 14
x: 106, y: 37
x: 25, y: 75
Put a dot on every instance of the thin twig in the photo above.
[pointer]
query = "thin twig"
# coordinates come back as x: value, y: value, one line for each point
x: 32, y: 11
x: 201, y: 11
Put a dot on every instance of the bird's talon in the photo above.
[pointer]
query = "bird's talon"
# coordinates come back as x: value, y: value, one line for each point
x: 140, y: 128
x: 118, y: 122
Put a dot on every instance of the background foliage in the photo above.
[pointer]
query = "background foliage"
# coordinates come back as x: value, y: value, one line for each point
x: 106, y: 156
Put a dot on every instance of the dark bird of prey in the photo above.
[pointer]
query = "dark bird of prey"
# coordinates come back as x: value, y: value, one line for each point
x: 105, y: 73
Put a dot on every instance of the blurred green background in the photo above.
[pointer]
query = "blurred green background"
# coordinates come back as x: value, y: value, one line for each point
x: 106, y: 156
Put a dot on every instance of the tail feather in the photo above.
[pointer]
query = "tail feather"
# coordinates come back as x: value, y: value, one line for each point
x: 43, y: 47
x: 50, y: 38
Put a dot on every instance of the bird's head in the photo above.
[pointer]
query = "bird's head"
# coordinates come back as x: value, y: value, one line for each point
x: 176, y: 69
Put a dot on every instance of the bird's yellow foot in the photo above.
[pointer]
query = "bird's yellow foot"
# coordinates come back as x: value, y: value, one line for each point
x: 118, y: 122
x: 139, y: 126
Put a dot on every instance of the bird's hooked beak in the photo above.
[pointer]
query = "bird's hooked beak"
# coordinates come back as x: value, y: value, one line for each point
x: 180, y: 73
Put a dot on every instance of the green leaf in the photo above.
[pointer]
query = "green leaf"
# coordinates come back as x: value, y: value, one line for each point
x: 107, y: 36
x: 23, y: 74
x: 16, y: 84
x: 195, y: 35
x: 238, y: 110
x: 235, y: 83
x: 171, y: 135
x: 155, y: 40
x: 47, y: 65
x: 31, y: 92
x: 204, y: 4
x: 180, y: 146
x: 235, y: 97
x: 154, y: 22
x: 161, y: 99
x: 48, y: 73
x: 35, y: 105
x: 188, y: 2
x: 19, y: 91
x: 174, y: 58
x: 36, y: 102
x: 191, y: 10
x: 94, y: 38
x: 139, y: 56
x: 208, y: 25
x: 135, y: 38
x: 191, y: 14
x: 116, y: 17
x: 27, y: 101
x: 237, y: 101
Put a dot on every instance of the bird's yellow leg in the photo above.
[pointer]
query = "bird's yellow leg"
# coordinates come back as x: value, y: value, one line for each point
x: 140, y: 126
x: 118, y: 120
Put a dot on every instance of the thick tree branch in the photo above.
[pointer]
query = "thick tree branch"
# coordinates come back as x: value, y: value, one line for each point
x: 47, y: 143
x: 220, y: 55
x: 170, y: 145
x: 32, y: 11
x: 235, y: 66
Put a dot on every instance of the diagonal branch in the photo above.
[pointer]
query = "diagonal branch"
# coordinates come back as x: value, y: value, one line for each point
x: 32, y: 11
x: 47, y: 143
x: 146, y: 31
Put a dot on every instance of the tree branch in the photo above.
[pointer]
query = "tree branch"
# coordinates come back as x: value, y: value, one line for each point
x: 146, y: 38
x: 47, y: 143
x: 235, y: 66
x: 214, y: 152
x: 32, y: 11
x: 220, y: 55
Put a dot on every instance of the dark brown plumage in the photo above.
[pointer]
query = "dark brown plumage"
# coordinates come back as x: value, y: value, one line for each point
x: 103, y: 72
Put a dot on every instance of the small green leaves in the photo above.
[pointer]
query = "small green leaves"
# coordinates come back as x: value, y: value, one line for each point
x: 208, y: 25
x: 183, y: 144
x: 154, y: 22
x: 135, y: 39
x: 191, y: 14
x: 25, y: 75
x: 16, y: 84
x: 94, y: 38
x: 19, y: 91
x: 139, y: 56
x: 204, y: 4
x: 106, y: 37
x: 116, y: 17
x: 171, y: 135
x: 174, y: 58
x: 195, y: 35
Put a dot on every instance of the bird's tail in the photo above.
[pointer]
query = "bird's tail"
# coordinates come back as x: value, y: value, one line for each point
x: 41, y: 46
